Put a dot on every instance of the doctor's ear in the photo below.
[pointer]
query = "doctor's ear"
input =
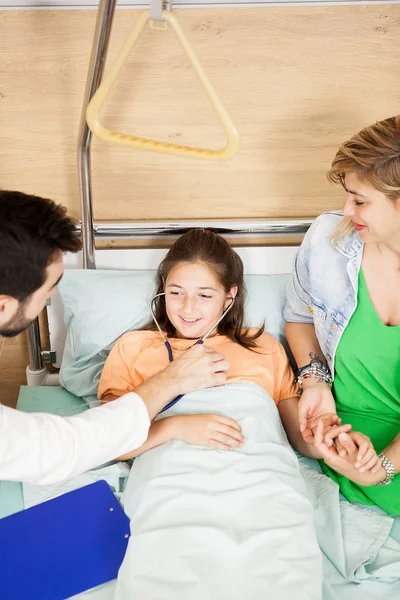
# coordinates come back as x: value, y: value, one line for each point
x: 7, y: 303
x: 8, y: 307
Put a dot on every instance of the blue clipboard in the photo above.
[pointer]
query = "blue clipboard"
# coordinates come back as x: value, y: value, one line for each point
x: 64, y: 546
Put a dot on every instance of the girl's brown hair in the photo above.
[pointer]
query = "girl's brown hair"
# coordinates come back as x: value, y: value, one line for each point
x: 198, y: 245
x: 374, y: 154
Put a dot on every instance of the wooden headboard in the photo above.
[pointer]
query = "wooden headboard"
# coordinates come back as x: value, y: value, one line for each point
x: 297, y: 82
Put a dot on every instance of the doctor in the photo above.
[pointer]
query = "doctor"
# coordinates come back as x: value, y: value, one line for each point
x: 42, y: 448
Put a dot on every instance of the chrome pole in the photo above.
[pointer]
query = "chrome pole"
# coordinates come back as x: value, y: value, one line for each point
x: 101, y: 38
x: 34, y: 346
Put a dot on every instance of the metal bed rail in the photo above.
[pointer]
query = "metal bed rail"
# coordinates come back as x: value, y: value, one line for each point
x: 265, y: 228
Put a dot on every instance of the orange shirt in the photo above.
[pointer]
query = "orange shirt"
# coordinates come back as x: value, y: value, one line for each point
x: 140, y: 354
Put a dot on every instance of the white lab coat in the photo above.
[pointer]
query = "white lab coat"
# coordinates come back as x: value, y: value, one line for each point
x: 43, y: 449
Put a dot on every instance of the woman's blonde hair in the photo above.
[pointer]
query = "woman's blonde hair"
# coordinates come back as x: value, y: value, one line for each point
x: 374, y: 154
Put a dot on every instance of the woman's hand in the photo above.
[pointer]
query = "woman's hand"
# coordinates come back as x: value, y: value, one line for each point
x: 316, y: 404
x: 215, y: 431
x: 347, y: 466
x: 367, y: 458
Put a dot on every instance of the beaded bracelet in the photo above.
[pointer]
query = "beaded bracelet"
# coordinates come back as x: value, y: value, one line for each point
x: 315, y: 369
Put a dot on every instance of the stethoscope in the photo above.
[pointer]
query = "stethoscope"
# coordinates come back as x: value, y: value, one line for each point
x: 168, y: 345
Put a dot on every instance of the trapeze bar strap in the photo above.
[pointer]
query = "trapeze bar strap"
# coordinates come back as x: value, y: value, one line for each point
x: 115, y: 137
x: 156, y: 9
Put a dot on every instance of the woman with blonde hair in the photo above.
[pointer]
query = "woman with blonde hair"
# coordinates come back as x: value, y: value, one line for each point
x: 343, y: 320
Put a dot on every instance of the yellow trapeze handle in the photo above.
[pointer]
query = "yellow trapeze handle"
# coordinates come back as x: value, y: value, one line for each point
x: 115, y: 137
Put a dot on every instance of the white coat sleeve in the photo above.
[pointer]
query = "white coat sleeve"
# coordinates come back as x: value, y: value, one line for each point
x: 41, y: 448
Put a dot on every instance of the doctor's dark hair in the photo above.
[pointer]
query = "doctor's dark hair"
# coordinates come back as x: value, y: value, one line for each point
x: 198, y: 245
x: 33, y: 231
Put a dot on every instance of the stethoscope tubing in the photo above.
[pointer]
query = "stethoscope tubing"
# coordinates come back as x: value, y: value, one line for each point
x: 171, y: 359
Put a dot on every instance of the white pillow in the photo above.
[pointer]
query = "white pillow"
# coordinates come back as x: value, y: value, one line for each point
x: 99, y: 306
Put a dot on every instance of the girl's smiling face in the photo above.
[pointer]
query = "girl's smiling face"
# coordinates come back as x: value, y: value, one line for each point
x: 195, y: 299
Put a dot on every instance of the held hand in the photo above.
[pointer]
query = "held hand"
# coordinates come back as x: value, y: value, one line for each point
x: 346, y: 466
x: 367, y: 458
x: 330, y: 421
x: 316, y: 403
x: 215, y: 431
x: 198, y: 368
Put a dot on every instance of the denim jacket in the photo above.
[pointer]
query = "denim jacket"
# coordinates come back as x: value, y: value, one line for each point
x: 324, y: 283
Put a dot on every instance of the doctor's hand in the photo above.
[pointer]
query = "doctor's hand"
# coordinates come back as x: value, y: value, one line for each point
x: 316, y: 404
x: 215, y: 431
x: 195, y: 369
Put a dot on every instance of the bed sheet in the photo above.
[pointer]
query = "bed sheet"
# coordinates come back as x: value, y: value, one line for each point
x: 59, y: 401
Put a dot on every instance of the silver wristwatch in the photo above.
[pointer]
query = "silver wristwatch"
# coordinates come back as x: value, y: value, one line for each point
x: 389, y: 468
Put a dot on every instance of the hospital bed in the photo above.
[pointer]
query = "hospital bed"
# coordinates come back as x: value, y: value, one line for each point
x: 99, y: 305
x: 107, y: 292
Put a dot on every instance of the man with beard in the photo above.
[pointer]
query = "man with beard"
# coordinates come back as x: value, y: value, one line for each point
x: 42, y: 448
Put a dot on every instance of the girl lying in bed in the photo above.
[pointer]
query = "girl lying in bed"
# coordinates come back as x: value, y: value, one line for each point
x: 199, y: 279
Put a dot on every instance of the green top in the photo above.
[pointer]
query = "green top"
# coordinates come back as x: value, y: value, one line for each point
x: 367, y: 392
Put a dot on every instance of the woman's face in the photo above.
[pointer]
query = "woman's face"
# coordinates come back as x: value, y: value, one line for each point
x: 376, y: 218
x: 194, y: 299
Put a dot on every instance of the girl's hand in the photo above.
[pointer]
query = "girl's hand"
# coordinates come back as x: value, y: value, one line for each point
x: 316, y: 402
x: 329, y: 420
x: 215, y: 431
